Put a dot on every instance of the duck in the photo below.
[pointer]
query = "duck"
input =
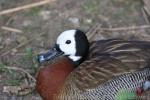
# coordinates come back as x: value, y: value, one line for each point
x: 93, y: 71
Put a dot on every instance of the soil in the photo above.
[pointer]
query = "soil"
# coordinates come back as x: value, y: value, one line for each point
x: 50, y: 20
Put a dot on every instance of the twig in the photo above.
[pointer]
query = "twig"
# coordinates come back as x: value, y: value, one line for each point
x: 40, y: 3
x: 146, y: 6
x: 10, y: 20
x: 126, y: 28
x: 96, y: 28
x: 22, y: 70
x: 92, y: 32
x: 11, y: 29
x: 145, y: 15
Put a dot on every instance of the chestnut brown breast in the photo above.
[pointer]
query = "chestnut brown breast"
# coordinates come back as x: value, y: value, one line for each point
x: 51, y: 78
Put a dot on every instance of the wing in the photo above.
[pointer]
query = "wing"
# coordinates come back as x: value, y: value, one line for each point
x: 135, y: 54
x: 109, y: 59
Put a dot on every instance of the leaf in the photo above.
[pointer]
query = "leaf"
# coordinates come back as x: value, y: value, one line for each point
x: 29, y: 52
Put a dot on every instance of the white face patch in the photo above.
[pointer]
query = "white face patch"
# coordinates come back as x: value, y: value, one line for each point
x: 67, y: 43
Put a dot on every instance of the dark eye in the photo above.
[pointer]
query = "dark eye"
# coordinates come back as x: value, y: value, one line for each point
x: 68, y: 42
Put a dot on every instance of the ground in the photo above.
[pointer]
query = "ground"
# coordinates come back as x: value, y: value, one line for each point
x: 41, y: 26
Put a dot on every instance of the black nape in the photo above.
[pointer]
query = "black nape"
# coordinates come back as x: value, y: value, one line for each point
x: 82, y: 45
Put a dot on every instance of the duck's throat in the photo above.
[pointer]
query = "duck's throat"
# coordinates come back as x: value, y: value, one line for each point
x: 74, y: 58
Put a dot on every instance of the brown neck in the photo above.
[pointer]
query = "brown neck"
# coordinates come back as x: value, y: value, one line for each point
x: 51, y: 78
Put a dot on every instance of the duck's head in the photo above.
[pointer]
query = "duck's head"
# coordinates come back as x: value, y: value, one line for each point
x: 72, y: 44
